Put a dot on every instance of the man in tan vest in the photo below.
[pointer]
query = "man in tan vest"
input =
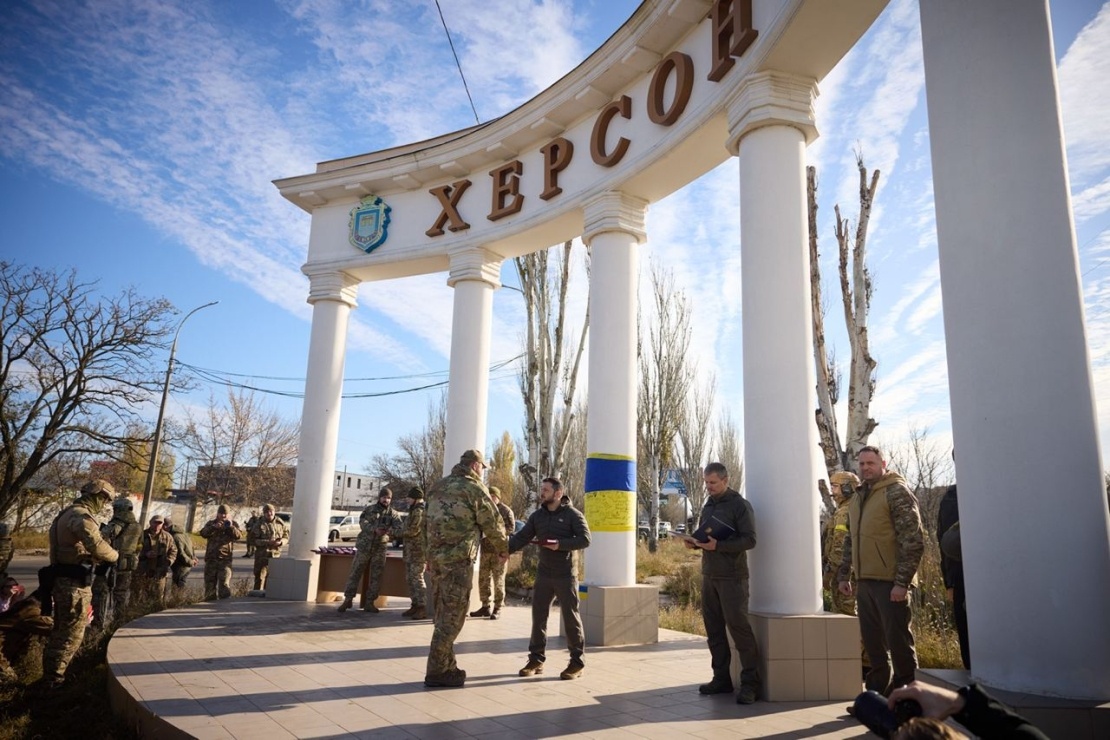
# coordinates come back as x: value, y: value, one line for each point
x: 883, y: 550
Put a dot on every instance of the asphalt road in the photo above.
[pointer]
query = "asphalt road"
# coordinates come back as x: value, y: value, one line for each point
x: 25, y: 568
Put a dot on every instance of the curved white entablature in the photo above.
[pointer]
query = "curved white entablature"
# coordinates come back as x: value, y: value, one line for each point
x: 647, y: 113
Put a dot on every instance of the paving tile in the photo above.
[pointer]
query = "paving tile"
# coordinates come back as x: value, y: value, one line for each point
x: 271, y: 670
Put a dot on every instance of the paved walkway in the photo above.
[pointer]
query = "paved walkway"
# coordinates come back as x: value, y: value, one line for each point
x: 252, y: 668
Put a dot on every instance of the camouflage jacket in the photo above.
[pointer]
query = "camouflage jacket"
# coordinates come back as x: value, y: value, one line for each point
x: 379, y: 525
x: 459, y: 513
x: 75, y: 537
x: 221, y: 538
x: 268, y: 536
x: 414, y: 533
x: 507, y: 519
x: 123, y: 533
x: 185, y: 552
x: 836, y: 529
x: 885, y: 538
x: 248, y: 529
x: 158, y: 553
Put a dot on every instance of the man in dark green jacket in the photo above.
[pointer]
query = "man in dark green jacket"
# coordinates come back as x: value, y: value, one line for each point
x: 560, y: 530
x: 729, y: 523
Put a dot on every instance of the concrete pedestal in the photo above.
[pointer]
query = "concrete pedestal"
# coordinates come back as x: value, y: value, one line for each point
x: 293, y: 578
x: 806, y: 658
x: 618, y: 615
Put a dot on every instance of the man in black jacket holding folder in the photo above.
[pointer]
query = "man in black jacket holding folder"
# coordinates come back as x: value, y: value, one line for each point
x: 726, y: 531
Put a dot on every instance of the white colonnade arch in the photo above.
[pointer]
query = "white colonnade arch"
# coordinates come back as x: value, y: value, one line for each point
x: 683, y: 85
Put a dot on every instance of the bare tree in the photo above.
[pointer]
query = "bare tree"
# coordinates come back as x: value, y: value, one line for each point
x: 927, y: 468
x: 694, y: 435
x: 728, y: 450
x: 75, y: 369
x: 665, y: 378
x: 244, y: 435
x: 549, y: 375
x: 855, y: 293
x: 419, y: 461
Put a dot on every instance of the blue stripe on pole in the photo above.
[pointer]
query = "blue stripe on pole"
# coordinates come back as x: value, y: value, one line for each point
x: 610, y: 473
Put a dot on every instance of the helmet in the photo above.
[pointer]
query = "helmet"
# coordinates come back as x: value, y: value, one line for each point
x: 98, y: 487
x: 123, y: 504
x: 841, y: 477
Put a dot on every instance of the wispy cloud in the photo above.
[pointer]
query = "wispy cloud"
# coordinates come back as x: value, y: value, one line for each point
x: 1086, y: 105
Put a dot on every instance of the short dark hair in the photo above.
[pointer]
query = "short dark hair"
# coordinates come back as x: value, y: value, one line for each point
x: 717, y: 469
x: 385, y: 491
x: 873, y: 450
x: 555, y: 483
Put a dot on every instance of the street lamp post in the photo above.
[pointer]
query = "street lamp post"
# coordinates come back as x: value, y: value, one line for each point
x: 157, y: 442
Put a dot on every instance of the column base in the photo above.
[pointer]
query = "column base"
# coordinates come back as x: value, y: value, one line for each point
x: 807, y: 658
x: 292, y: 579
x: 618, y: 615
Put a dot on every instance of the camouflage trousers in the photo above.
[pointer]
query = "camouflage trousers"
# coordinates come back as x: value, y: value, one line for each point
x: 414, y: 575
x: 72, y: 601
x: 180, y: 574
x: 491, y: 570
x: 374, y: 558
x: 261, y: 568
x: 842, y: 604
x: 217, y: 578
x: 110, y: 601
x: 451, y: 596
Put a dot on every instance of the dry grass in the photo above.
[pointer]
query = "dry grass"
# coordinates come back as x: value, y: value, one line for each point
x: 79, y: 708
x: 934, y: 633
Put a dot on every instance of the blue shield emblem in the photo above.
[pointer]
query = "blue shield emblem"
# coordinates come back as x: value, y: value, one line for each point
x: 369, y: 223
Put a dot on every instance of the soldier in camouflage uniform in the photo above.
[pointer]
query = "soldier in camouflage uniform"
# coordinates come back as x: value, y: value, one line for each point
x: 221, y: 534
x: 415, y: 558
x: 20, y: 624
x: 112, y: 587
x: 379, y: 523
x: 267, y: 535
x: 883, y: 549
x: 186, y: 554
x: 156, y: 557
x: 459, y: 513
x: 842, y: 484
x: 6, y: 549
x: 491, y: 566
x: 75, y: 548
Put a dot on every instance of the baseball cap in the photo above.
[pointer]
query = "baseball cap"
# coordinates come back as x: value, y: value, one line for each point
x: 473, y: 456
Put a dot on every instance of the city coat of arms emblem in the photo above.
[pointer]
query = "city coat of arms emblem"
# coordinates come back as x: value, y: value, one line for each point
x: 369, y: 223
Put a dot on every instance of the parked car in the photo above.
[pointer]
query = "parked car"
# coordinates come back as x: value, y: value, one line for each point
x: 643, y: 530
x: 344, y: 528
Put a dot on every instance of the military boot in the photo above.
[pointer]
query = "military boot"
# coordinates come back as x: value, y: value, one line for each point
x: 370, y: 608
x: 483, y: 612
x: 419, y: 613
x: 534, y: 668
x: 496, y: 613
x: 347, y: 604
x: 408, y: 612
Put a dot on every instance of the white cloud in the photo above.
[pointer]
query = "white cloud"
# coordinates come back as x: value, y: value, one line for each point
x: 1083, y: 73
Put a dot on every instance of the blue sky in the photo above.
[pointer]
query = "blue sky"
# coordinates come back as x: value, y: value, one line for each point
x: 139, y: 139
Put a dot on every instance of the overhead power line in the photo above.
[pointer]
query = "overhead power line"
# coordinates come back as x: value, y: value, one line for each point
x: 227, y: 379
x: 458, y: 64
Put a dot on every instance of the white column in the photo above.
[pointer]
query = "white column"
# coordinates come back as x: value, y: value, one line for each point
x: 475, y: 273
x: 332, y: 296
x: 1036, y: 533
x: 770, y: 123
x: 614, y: 228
